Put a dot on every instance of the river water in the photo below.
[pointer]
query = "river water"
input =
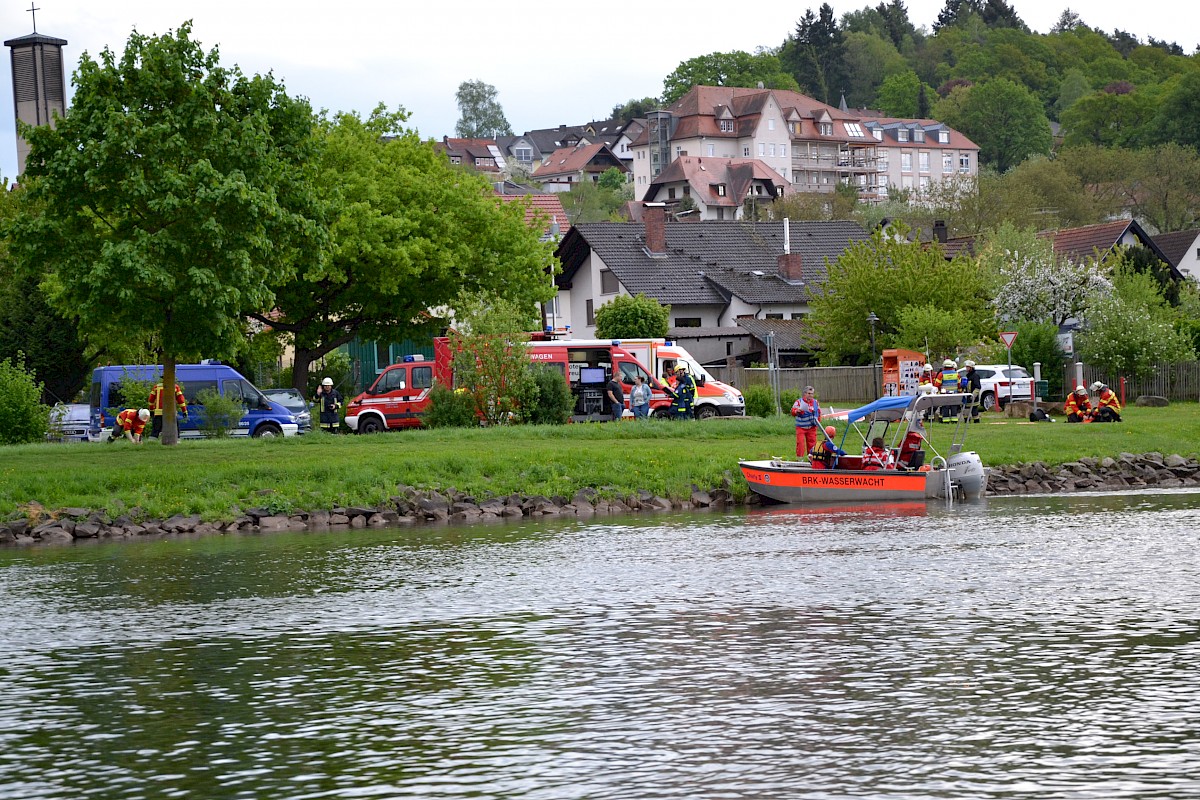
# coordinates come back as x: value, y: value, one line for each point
x: 1044, y: 647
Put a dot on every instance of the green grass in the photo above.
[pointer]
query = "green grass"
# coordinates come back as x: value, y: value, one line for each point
x: 217, y: 478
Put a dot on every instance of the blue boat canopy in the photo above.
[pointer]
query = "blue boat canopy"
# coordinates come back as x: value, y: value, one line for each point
x: 894, y: 404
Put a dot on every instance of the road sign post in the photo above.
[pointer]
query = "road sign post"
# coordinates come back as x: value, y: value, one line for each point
x: 1009, y: 337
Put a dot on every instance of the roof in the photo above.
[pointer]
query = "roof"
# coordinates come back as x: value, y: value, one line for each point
x: 791, y: 335
x: 1080, y: 244
x: 548, y: 205
x: 572, y: 160
x: 708, y: 262
x: 1176, y: 245
x: 890, y: 127
x: 30, y: 39
x: 704, y: 175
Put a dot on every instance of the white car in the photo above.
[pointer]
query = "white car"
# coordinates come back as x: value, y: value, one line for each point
x: 1000, y: 383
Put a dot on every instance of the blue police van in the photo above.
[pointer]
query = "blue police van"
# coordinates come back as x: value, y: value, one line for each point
x: 119, y: 387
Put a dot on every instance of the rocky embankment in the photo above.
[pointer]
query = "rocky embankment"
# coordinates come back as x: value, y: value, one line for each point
x: 410, y: 506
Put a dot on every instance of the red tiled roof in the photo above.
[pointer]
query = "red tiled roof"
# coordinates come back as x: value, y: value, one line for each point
x: 703, y: 174
x: 547, y: 206
x: 570, y: 160
x: 1079, y: 244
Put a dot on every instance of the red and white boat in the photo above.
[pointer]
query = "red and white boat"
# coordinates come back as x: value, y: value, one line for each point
x: 915, y: 471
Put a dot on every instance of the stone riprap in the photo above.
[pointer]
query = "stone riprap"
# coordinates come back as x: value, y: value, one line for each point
x: 416, y: 506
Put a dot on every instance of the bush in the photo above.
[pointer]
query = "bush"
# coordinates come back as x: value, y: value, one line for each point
x: 449, y: 409
x: 220, y: 414
x: 23, y: 417
x: 553, y: 403
x: 637, y: 317
x: 760, y: 401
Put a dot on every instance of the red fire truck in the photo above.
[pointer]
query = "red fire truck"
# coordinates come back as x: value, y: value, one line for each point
x: 400, y: 395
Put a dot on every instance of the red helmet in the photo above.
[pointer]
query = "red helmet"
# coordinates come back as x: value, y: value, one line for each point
x: 830, y: 431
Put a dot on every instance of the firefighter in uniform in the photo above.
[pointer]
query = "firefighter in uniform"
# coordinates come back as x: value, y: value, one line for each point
x: 155, y: 404
x: 1108, y: 407
x: 130, y: 423
x: 685, y: 394
x: 969, y: 382
x: 947, y: 383
x: 1077, y: 406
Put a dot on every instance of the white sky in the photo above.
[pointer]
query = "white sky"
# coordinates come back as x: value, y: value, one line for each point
x: 570, y: 67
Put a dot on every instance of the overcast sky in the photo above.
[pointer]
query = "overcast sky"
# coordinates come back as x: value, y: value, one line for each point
x: 569, y: 67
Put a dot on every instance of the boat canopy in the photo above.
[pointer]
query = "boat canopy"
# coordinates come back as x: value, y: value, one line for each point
x: 891, y: 409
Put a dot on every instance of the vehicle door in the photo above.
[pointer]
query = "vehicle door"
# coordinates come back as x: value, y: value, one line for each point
x: 253, y: 405
x: 414, y: 395
x: 192, y: 389
x: 1020, y: 383
x: 389, y: 395
x: 627, y: 370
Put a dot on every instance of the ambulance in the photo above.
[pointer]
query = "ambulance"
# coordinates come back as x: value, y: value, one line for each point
x: 661, y: 357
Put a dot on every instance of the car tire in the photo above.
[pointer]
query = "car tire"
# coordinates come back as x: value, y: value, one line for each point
x: 370, y: 425
x: 706, y: 412
x: 987, y: 401
x: 663, y: 412
x: 268, y: 430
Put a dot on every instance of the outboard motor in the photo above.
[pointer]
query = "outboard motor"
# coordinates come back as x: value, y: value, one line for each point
x: 968, y: 473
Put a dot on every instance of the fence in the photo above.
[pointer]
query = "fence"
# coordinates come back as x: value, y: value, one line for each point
x: 845, y: 384
x: 1177, y: 382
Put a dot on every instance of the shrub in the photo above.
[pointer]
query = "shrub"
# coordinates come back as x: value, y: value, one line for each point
x: 449, y: 409
x: 23, y: 417
x: 637, y: 317
x: 760, y: 400
x: 220, y: 414
x: 553, y: 403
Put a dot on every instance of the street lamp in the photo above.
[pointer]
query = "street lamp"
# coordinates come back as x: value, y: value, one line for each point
x: 871, y: 318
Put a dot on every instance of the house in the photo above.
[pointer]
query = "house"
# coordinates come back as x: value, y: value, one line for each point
x: 571, y: 165
x: 813, y: 146
x: 710, y: 273
x: 1099, y: 241
x: 716, y: 188
x: 481, y: 155
x: 532, y: 147
x: 1182, y: 249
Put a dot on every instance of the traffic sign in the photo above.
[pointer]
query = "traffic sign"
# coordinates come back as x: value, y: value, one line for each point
x: 1008, y: 337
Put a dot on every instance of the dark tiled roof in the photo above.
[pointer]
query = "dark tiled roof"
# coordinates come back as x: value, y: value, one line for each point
x: 792, y: 335
x: 568, y: 161
x: 1176, y: 245
x: 707, y: 262
x: 1080, y: 244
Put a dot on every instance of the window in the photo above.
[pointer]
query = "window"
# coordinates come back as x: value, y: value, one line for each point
x: 906, y: 162
x: 854, y: 129
x: 902, y: 134
x: 383, y: 355
x: 687, y: 322
x: 772, y: 148
x: 947, y: 162
x: 878, y: 134
x: 455, y: 159
x: 964, y: 163
x: 670, y: 196
x: 591, y: 314
x: 720, y: 190
x: 191, y: 391
x: 726, y: 126
x: 943, y: 136
x: 390, y: 381
x: 826, y: 128
x: 687, y: 190
x: 720, y: 213
x: 711, y: 148
x: 919, y: 135
x: 770, y: 124
x: 772, y: 316
x: 746, y: 151
x: 630, y: 370
x: 923, y: 160
x: 524, y: 154
x: 762, y: 149
x: 485, y: 162
x: 422, y: 377
x: 608, y: 282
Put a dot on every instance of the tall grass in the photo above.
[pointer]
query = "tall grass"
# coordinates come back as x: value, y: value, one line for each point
x: 217, y: 478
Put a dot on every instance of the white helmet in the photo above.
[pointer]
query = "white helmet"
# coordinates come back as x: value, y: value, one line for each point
x: 327, y: 382
x: 1097, y: 386
x: 144, y: 414
x: 949, y: 364
x: 1080, y: 390
x: 968, y: 363
x: 927, y: 368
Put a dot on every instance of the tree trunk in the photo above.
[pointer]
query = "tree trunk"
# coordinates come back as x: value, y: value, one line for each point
x: 170, y: 428
x: 300, y: 362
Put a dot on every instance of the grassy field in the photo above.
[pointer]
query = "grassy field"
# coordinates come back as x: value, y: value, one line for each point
x: 317, y: 471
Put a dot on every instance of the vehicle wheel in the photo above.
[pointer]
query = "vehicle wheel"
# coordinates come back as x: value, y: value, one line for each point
x: 662, y: 413
x: 268, y: 430
x: 987, y: 401
x: 706, y: 412
x: 370, y: 425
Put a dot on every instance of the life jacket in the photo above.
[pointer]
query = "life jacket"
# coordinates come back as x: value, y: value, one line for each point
x: 876, y: 457
x: 949, y: 384
x: 807, y: 414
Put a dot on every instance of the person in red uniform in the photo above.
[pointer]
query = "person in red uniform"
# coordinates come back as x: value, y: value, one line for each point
x: 130, y: 424
x: 877, y: 456
x: 155, y: 404
x: 807, y: 412
x: 1108, y: 407
x: 824, y: 455
x: 1078, y: 407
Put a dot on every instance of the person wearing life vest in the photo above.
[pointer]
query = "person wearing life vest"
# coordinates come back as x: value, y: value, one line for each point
x: 1077, y: 406
x: 825, y: 454
x: 876, y: 455
x: 948, y: 384
x: 155, y: 404
x: 1108, y: 407
x: 807, y: 412
x: 130, y: 423
x: 970, y: 382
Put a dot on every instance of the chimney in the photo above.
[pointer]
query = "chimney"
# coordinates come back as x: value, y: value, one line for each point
x: 939, y: 230
x: 789, y: 267
x: 654, y: 217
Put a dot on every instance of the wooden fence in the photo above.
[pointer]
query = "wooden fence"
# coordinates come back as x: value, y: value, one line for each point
x: 1176, y: 382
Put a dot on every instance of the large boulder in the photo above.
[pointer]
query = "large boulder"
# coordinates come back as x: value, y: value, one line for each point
x: 1152, y: 401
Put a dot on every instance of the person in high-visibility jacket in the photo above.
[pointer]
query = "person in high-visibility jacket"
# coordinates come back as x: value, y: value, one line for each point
x: 807, y: 411
x: 130, y: 423
x: 155, y: 404
x: 948, y: 384
x: 1078, y: 407
x: 1108, y: 406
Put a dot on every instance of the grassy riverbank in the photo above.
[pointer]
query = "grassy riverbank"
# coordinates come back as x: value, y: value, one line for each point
x: 216, y: 478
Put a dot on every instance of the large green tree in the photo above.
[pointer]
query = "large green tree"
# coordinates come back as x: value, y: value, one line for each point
x: 169, y: 200
x: 1004, y: 118
x: 815, y: 55
x: 888, y: 275
x: 480, y: 113
x: 735, y: 68
x: 408, y: 233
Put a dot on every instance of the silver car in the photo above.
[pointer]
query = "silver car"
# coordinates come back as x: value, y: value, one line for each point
x: 294, y: 402
x: 69, y: 422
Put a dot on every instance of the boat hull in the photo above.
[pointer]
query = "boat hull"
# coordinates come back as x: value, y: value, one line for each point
x: 798, y: 482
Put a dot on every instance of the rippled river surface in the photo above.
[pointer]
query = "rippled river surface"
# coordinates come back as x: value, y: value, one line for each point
x: 1035, y: 647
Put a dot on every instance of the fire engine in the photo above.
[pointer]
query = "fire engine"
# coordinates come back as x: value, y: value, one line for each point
x: 400, y: 394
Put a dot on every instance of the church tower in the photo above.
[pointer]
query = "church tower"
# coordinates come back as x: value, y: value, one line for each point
x: 39, y: 83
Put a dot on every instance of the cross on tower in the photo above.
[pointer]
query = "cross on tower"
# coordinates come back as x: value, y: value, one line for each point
x: 34, y: 11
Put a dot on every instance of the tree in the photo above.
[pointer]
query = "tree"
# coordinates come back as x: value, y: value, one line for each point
x: 955, y: 12
x: 491, y: 364
x: 1164, y: 187
x: 23, y: 417
x: 591, y: 202
x: 409, y: 233
x: 900, y: 94
x: 735, y: 68
x: 169, y: 200
x: 1109, y: 119
x: 869, y: 59
x: 636, y: 317
x: 1178, y: 112
x: 1033, y: 284
x: 886, y: 275
x: 1004, y: 118
x: 633, y: 109
x: 815, y: 55
x: 480, y: 114
x: 1074, y: 86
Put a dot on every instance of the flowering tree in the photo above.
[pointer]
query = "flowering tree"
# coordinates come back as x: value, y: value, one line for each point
x: 1032, y: 283
x: 1132, y: 329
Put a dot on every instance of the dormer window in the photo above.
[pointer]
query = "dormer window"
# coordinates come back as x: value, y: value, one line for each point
x: 919, y: 135
x: 943, y: 136
x: 826, y: 128
x: 720, y: 190
x: 902, y: 134
x: 878, y: 134
x: 726, y: 126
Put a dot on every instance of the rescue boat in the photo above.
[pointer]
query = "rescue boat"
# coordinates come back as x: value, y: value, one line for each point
x: 913, y: 470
